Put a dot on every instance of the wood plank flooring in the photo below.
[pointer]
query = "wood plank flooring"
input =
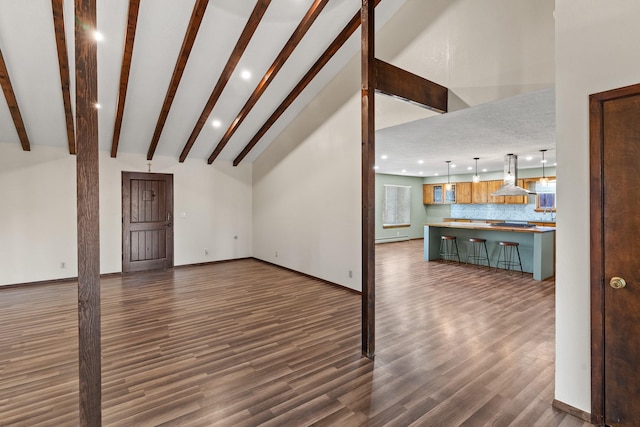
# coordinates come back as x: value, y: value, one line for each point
x: 245, y: 343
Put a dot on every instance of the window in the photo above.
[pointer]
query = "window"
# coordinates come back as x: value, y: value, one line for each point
x: 397, y: 206
x: 546, y: 197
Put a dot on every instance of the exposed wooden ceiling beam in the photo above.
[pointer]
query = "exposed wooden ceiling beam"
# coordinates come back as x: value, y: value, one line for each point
x: 396, y: 82
x: 12, y: 102
x: 326, y: 56
x: 187, y: 44
x: 271, y: 73
x: 249, y: 29
x: 63, y: 64
x: 132, y: 22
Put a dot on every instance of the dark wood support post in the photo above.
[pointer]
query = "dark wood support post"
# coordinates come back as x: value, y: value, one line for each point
x: 368, y: 179
x: 88, y: 215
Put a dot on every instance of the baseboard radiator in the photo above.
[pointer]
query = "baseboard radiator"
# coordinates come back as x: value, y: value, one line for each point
x: 392, y: 239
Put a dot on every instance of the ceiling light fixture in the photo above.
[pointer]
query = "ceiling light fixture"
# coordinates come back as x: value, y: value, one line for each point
x: 246, y: 74
x: 216, y: 123
x: 383, y: 157
x: 508, y: 177
x: 476, y: 177
x: 448, y: 186
x: 544, y: 181
x: 97, y: 35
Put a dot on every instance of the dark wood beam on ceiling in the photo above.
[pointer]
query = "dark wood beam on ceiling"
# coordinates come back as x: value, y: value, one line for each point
x: 271, y: 73
x: 12, y: 103
x: 241, y: 45
x: 88, y: 218
x: 63, y: 64
x: 326, y: 56
x: 187, y: 44
x: 368, y: 178
x: 394, y: 81
x: 125, y: 68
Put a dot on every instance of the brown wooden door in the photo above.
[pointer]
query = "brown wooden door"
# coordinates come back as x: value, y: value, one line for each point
x: 615, y: 160
x: 147, y: 221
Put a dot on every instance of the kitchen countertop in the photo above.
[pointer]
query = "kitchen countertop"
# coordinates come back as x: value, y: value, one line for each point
x: 485, y: 226
x: 451, y: 219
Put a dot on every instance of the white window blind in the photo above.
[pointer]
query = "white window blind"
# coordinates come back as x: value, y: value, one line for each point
x: 397, y: 205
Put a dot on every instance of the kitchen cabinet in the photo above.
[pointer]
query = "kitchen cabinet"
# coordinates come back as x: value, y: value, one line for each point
x: 493, y: 186
x: 470, y: 193
x: 432, y: 193
x: 479, y: 193
x: 464, y: 192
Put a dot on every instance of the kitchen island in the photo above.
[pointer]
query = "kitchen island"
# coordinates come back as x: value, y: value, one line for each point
x: 537, y: 244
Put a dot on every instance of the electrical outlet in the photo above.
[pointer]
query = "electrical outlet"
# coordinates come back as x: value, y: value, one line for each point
x: 206, y: 251
x: 350, y: 274
x: 235, y: 237
x: 63, y: 265
x: 276, y: 254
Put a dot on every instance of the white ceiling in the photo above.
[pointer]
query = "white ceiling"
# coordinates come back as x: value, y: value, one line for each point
x: 27, y: 41
x: 521, y: 125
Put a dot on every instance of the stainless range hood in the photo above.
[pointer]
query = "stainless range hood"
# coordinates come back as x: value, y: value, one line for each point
x: 509, y: 188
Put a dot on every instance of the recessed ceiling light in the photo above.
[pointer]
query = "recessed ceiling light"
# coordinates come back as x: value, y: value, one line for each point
x: 216, y: 123
x: 420, y: 162
x: 469, y: 168
x: 375, y: 167
x: 404, y: 171
x: 453, y: 166
x: 245, y: 74
x: 97, y: 35
x: 529, y: 158
x: 383, y: 157
x: 420, y: 173
x: 97, y: 106
x: 436, y: 174
x: 484, y: 170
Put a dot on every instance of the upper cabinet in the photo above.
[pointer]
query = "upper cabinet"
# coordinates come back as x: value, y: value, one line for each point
x: 470, y: 192
x: 480, y: 192
x: 464, y: 192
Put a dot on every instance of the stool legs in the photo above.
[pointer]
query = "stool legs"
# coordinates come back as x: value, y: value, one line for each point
x: 508, y: 252
x: 475, y: 252
x: 449, y: 249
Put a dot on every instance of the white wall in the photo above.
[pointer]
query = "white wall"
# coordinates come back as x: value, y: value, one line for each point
x: 212, y: 204
x: 307, y: 209
x: 596, y: 50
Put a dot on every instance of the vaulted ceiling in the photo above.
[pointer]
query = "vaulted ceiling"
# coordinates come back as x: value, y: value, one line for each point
x: 170, y: 71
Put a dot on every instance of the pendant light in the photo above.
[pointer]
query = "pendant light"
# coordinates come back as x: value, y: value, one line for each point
x: 476, y: 177
x: 508, y: 177
x: 544, y: 181
x: 448, y: 186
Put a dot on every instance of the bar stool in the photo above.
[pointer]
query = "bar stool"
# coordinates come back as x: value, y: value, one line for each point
x: 475, y: 251
x: 449, y: 248
x: 508, y: 250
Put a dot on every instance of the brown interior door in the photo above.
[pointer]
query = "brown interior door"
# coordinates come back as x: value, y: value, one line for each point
x: 147, y: 221
x: 617, y: 117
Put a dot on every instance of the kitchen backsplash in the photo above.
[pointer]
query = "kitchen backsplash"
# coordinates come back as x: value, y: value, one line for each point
x: 500, y: 211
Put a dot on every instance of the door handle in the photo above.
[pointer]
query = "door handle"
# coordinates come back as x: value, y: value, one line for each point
x: 617, y: 283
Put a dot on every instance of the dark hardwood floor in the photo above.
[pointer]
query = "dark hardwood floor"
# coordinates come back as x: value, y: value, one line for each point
x: 245, y: 343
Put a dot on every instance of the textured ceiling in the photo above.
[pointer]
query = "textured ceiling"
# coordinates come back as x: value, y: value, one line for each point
x: 521, y: 125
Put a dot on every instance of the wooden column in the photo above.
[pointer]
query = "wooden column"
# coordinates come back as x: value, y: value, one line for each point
x: 88, y: 214
x: 368, y: 179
